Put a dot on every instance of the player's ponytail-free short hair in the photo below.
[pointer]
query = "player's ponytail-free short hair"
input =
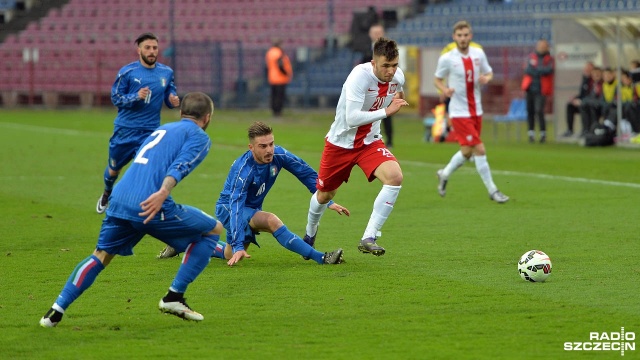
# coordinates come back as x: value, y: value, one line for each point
x: 196, y: 105
x: 259, y: 128
x: 146, y: 36
x: 462, y: 24
x: 385, y: 47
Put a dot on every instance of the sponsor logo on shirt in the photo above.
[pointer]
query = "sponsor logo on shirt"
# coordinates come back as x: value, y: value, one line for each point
x: 137, y: 80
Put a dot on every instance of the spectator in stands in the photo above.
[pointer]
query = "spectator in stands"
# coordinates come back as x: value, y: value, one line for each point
x: 573, y: 106
x: 376, y: 31
x: 609, y: 88
x: 634, y: 70
x: 538, y: 83
x: 279, y: 74
x: 591, y: 106
x: 138, y: 92
x: 628, y: 99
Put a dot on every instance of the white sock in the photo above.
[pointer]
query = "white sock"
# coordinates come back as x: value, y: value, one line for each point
x: 315, y: 213
x: 485, y: 173
x: 57, y: 308
x: 456, y: 161
x: 382, y: 207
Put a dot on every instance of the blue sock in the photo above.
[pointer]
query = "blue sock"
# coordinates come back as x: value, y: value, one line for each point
x: 195, y: 259
x: 292, y: 242
x: 218, y: 252
x: 81, y: 278
x: 108, y: 180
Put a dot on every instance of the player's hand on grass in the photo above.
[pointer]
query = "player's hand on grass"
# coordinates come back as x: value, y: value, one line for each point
x: 341, y: 210
x: 174, y: 100
x: 395, y: 106
x: 153, y: 204
x: 142, y: 93
x: 237, y: 256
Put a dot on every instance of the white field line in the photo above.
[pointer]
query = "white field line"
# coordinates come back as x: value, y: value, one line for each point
x: 70, y: 132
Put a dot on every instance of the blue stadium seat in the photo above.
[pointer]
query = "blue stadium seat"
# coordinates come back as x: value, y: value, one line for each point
x: 517, y: 113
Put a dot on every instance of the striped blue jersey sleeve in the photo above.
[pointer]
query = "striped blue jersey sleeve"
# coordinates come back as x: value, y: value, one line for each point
x: 174, y: 149
x: 239, y: 180
x: 122, y: 94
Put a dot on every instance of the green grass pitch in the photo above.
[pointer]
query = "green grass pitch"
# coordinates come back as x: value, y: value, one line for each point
x: 447, y: 287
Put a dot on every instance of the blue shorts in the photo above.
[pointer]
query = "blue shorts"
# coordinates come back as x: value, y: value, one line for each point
x: 187, y: 225
x: 124, y: 144
x: 224, y: 216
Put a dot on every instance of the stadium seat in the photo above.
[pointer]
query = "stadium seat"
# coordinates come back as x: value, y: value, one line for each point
x: 517, y: 113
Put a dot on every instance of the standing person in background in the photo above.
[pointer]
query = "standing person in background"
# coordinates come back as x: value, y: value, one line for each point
x: 376, y: 31
x: 279, y: 75
x: 465, y: 69
x: 538, y: 83
x: 139, y: 91
x: 573, y: 106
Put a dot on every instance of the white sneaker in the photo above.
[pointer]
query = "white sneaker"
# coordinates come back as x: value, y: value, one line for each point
x: 180, y: 309
x: 442, y: 183
x: 499, y: 197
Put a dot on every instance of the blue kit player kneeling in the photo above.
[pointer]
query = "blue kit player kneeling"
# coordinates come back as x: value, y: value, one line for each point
x: 239, y: 207
x: 141, y: 204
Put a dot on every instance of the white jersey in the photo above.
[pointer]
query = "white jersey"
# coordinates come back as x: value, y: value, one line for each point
x: 462, y: 72
x: 364, y: 87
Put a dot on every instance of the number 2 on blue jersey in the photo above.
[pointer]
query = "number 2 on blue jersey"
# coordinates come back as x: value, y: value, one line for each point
x: 140, y: 159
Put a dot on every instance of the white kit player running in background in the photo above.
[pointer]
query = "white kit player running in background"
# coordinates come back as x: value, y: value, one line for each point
x: 466, y: 69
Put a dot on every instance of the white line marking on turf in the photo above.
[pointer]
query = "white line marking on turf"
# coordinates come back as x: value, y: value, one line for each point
x: 538, y: 176
x: 51, y: 130
x: 71, y: 132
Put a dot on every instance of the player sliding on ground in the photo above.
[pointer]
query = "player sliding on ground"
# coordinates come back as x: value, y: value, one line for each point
x: 372, y: 92
x: 141, y: 204
x: 466, y: 68
x: 240, y: 204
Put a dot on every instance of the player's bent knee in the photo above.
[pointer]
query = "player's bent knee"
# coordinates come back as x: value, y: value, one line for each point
x: 325, y: 197
x: 103, y: 256
x: 274, y: 223
x: 217, y: 230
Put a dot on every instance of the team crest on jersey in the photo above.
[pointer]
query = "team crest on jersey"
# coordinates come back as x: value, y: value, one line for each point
x: 393, y: 88
x: 163, y: 81
x: 274, y: 170
x: 476, y: 62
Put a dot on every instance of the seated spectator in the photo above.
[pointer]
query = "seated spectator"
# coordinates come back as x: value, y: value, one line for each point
x: 630, y: 96
x: 573, y: 106
x: 609, y: 102
x: 591, y: 104
x: 626, y: 98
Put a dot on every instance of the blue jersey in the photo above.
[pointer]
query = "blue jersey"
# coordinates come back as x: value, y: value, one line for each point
x: 249, y: 182
x: 174, y: 149
x: 139, y: 113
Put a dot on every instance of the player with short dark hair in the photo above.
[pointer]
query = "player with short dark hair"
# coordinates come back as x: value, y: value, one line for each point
x: 141, y: 205
x: 252, y: 175
x: 138, y: 92
x: 371, y: 92
x: 466, y: 68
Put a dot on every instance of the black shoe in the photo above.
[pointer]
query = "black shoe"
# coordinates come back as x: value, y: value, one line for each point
x: 543, y: 139
x: 103, y: 202
x: 334, y: 257
x: 567, y: 133
x: 532, y: 139
x: 369, y: 245
x: 51, y: 318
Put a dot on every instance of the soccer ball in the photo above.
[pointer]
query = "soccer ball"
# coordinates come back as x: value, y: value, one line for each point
x: 534, y: 266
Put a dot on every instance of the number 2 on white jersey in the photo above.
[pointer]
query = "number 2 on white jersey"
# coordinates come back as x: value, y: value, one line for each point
x: 470, y: 76
x: 140, y: 159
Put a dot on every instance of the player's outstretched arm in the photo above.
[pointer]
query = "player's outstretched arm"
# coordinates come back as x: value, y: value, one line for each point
x: 153, y: 204
x: 341, y: 210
